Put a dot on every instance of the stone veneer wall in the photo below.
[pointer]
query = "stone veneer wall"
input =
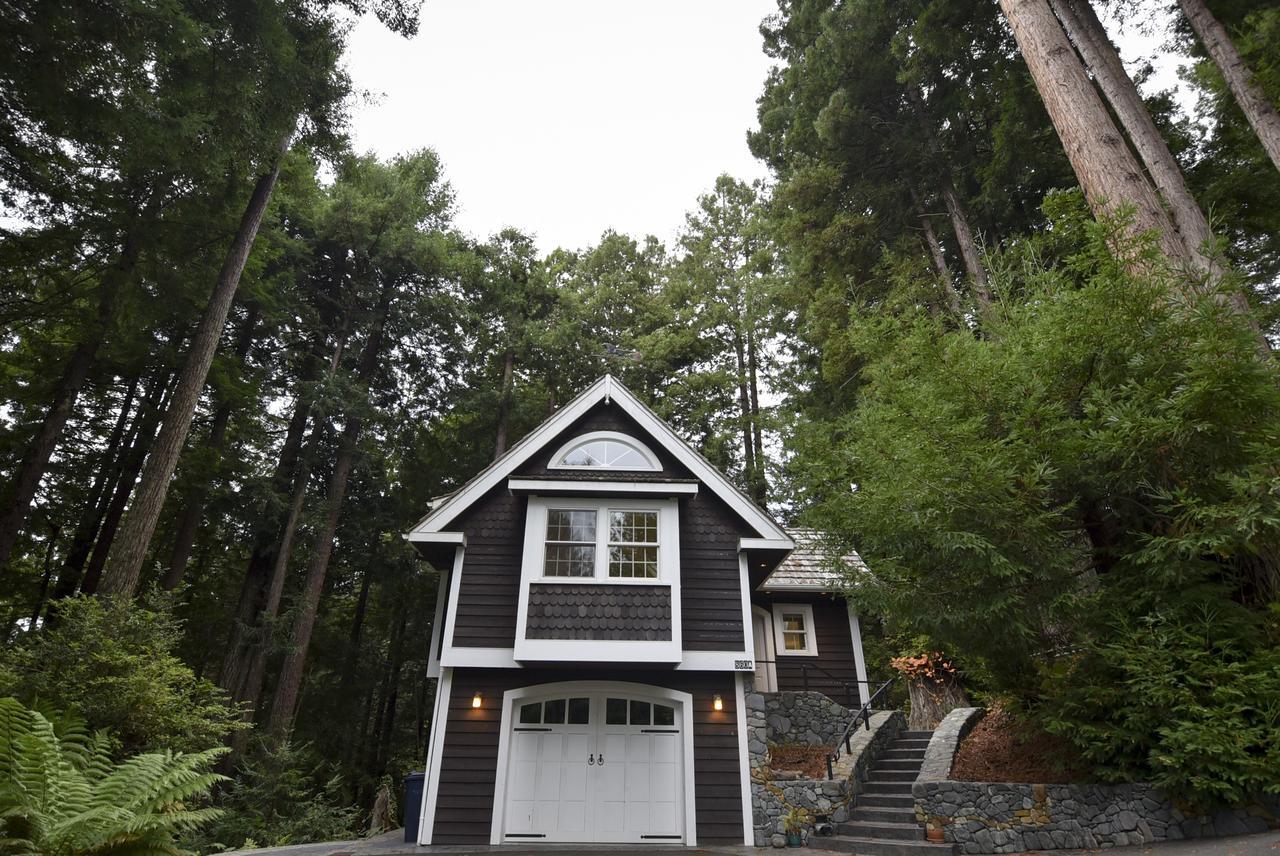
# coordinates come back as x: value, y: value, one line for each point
x: 772, y: 798
x: 984, y: 817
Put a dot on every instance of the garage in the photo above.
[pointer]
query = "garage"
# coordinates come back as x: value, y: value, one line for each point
x: 592, y: 763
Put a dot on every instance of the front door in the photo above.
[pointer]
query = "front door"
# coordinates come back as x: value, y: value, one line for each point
x: 762, y: 636
x: 606, y: 768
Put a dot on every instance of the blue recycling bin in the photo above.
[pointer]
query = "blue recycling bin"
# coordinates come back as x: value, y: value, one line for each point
x: 412, y: 805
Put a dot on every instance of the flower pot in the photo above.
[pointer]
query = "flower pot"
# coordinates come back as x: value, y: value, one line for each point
x: 934, y: 834
x: 794, y: 839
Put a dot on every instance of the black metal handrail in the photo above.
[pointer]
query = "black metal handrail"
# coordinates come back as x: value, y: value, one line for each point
x: 849, y: 686
x: 863, y: 715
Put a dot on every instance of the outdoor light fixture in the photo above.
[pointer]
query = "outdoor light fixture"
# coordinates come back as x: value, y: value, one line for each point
x: 475, y: 700
x: 718, y: 704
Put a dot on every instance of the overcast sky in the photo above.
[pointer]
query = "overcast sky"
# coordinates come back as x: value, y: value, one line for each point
x: 567, y: 117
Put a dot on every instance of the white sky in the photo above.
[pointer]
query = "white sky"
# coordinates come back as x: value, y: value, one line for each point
x: 567, y: 117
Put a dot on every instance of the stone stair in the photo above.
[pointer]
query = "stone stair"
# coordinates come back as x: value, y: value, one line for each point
x: 883, y: 820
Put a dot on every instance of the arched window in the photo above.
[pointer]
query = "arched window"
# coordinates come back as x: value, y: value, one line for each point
x: 605, y: 450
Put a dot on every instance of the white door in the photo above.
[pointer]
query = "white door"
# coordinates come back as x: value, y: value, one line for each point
x: 606, y: 768
x: 762, y: 636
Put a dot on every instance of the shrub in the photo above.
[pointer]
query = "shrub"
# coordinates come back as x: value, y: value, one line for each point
x: 61, y: 794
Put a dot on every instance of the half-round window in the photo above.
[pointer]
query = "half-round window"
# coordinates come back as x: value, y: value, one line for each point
x: 605, y: 450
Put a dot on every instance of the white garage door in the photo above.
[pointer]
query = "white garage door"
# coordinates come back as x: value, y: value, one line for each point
x: 605, y: 767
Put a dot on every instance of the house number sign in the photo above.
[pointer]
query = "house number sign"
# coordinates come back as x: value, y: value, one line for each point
x: 744, y: 665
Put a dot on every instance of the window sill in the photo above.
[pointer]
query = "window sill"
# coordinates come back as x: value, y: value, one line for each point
x: 591, y: 581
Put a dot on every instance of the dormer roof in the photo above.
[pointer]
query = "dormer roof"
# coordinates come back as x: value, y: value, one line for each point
x: 810, y: 566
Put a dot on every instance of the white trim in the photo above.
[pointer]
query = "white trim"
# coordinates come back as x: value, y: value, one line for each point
x: 537, y: 486
x: 770, y: 656
x: 715, y: 661
x: 817, y: 588
x: 480, y: 658
x: 618, y: 437
x: 437, y: 537
x: 744, y: 764
x: 435, y: 751
x: 437, y: 626
x: 859, y: 659
x: 810, y: 631
x: 605, y: 389
x: 766, y: 544
x: 744, y: 593
x: 451, y: 611
x: 596, y: 688
x: 531, y: 567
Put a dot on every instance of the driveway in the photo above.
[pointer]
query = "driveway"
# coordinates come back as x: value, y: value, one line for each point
x: 1261, y: 844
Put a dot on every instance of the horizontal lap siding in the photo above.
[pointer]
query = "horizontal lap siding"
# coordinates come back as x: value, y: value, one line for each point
x: 710, y: 579
x: 468, y: 766
x: 489, y: 588
x: 835, y: 651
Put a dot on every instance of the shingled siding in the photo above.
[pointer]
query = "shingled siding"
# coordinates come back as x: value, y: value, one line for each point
x: 710, y: 580
x: 489, y: 588
x: 468, y: 766
x: 835, y: 651
x: 567, y: 611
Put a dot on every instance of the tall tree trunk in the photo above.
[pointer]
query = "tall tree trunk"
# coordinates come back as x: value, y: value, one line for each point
x: 504, y: 404
x: 744, y: 407
x: 193, y: 514
x: 131, y: 465
x: 969, y: 252
x: 382, y: 750
x: 940, y: 265
x: 99, y: 496
x: 759, y: 485
x: 285, y: 701
x: 22, y: 491
x: 125, y: 566
x: 1255, y: 105
x: 46, y: 575
x: 1108, y: 172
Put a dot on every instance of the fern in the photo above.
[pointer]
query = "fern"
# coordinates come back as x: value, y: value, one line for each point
x: 61, y: 795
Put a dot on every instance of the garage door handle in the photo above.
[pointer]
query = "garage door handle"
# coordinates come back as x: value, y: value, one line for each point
x: 600, y: 760
x: 591, y: 759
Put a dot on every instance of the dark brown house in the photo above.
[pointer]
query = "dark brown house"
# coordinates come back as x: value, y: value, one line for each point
x: 606, y: 597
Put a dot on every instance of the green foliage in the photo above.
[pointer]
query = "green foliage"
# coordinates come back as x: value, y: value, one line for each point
x: 114, y: 664
x: 61, y: 794
x: 1062, y: 483
x: 280, y: 796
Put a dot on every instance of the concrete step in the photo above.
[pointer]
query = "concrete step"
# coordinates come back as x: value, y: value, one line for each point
x: 880, y: 786
x: 894, y: 752
x: 893, y: 831
x: 883, y: 763
x: 910, y: 743
x: 882, y: 774
x: 880, y: 847
x: 915, y: 735
x: 863, y: 813
x: 886, y: 800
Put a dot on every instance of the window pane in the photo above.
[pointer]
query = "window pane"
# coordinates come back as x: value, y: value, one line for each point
x: 639, y: 713
x: 633, y: 562
x: 553, y: 712
x: 531, y: 714
x: 633, y: 527
x: 615, y: 711
x: 793, y: 641
x: 625, y: 457
x: 793, y: 621
x: 663, y: 715
x: 579, y: 711
x: 579, y: 526
x: 570, y: 560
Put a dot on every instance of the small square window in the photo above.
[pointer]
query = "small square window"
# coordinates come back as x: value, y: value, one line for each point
x: 579, y: 711
x: 794, y: 630
x: 640, y: 713
x: 531, y: 714
x: 664, y: 715
x: 615, y: 711
x: 553, y: 712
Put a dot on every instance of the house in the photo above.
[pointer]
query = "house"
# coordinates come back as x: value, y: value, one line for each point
x: 606, y: 598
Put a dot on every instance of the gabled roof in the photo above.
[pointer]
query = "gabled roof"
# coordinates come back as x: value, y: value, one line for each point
x: 610, y: 391
x: 809, y: 566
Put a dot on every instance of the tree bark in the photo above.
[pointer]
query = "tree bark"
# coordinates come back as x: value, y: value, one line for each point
x: 40, y: 450
x: 934, y: 246
x: 45, y: 576
x: 125, y: 566
x: 969, y: 252
x: 285, y: 701
x: 192, y: 516
x: 931, y: 700
x: 1107, y: 171
x: 504, y: 404
x: 744, y: 406
x: 759, y: 485
x: 1255, y: 105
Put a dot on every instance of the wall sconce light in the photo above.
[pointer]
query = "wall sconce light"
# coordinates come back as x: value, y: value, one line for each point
x: 476, y: 700
x: 718, y: 704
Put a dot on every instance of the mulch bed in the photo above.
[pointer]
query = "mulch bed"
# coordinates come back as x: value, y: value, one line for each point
x: 809, y: 761
x: 1002, y: 748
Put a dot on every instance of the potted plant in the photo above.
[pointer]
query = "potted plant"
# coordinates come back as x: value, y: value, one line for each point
x: 794, y: 822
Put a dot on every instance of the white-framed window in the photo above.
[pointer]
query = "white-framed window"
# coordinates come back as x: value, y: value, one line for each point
x: 602, y: 539
x: 793, y: 630
x: 605, y: 450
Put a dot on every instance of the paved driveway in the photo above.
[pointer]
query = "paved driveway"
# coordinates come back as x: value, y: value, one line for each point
x: 1262, y: 844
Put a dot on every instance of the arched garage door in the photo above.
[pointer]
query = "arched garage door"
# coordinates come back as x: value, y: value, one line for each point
x: 587, y: 762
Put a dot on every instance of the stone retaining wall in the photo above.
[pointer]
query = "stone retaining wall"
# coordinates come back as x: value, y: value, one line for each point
x: 804, y: 717
x: 1000, y: 817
